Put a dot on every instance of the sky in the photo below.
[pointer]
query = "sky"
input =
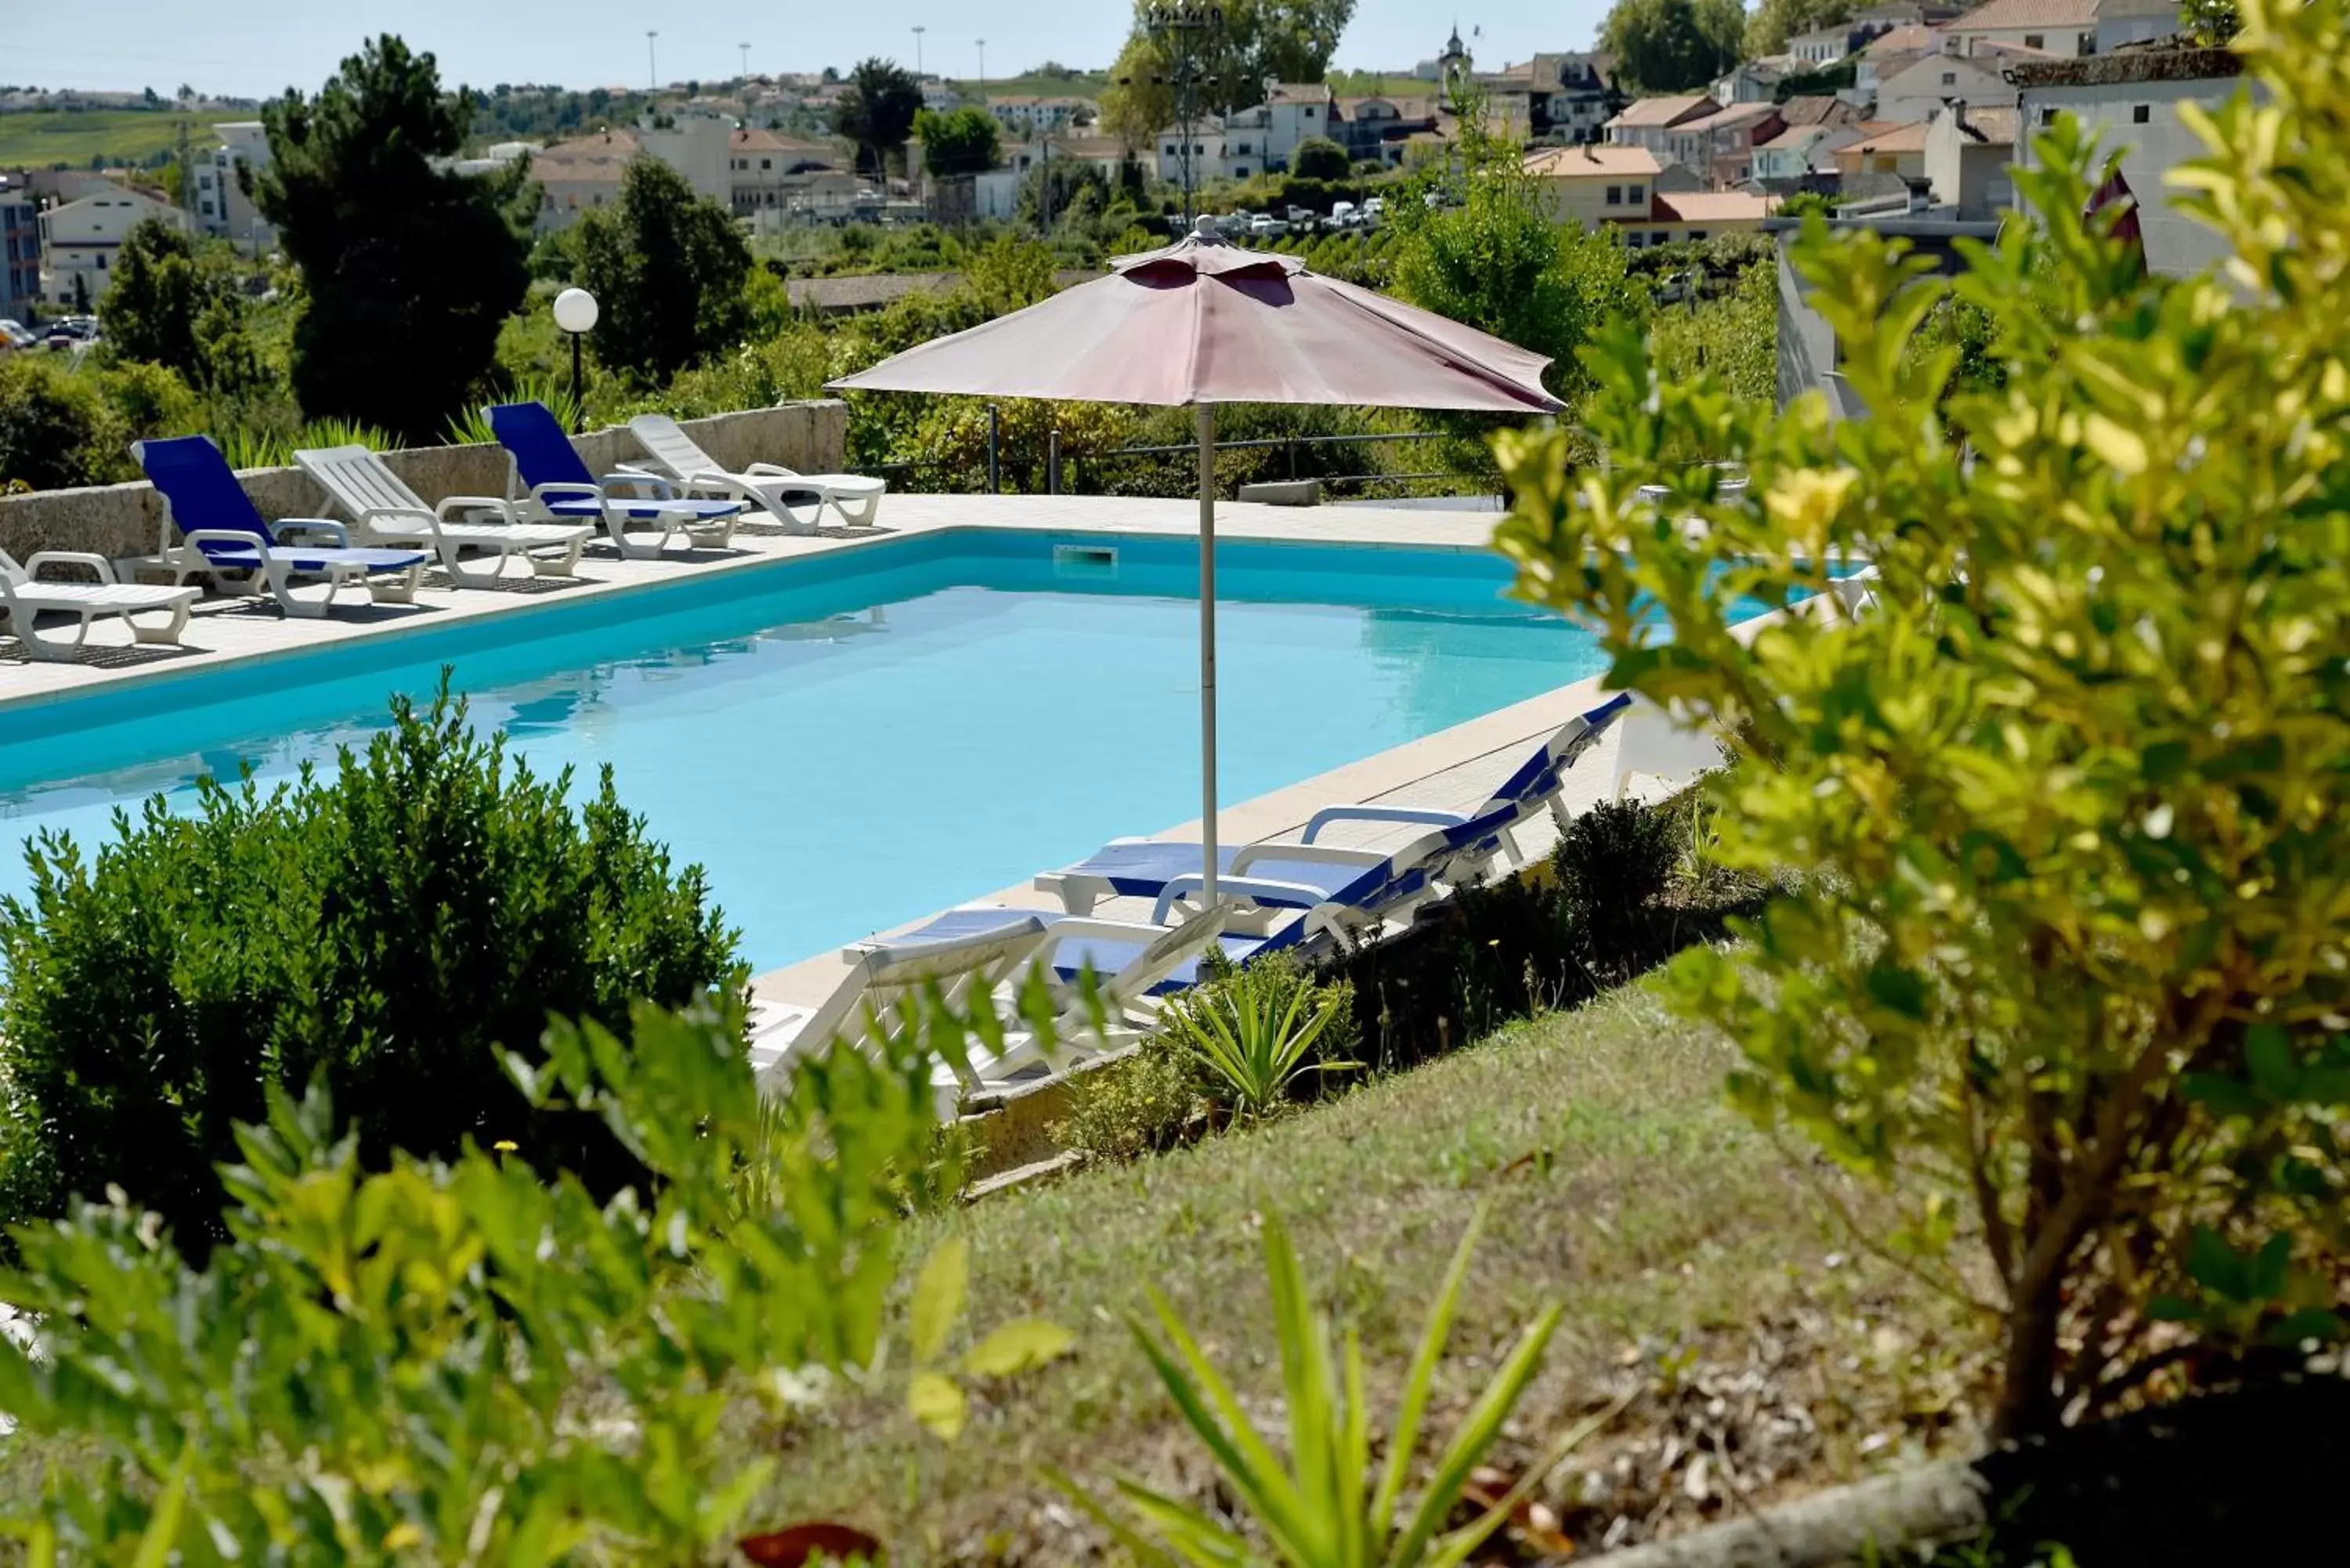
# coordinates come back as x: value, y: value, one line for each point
x: 255, y: 48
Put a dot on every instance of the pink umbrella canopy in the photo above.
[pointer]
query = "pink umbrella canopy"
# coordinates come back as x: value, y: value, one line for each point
x: 1207, y: 322
x: 1204, y: 322
x: 2116, y: 192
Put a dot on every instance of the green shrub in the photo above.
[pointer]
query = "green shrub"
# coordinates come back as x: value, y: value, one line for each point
x: 56, y: 429
x: 1613, y: 864
x: 384, y: 927
x: 2070, y: 970
x: 446, y: 1362
x: 1141, y: 1105
x: 1319, y: 158
x: 1250, y: 1033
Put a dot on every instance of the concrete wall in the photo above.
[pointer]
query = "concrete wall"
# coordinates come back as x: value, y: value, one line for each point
x: 120, y: 520
x: 2176, y: 244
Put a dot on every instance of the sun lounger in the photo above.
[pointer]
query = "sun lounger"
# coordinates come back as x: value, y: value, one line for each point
x: 1347, y: 894
x: 385, y: 511
x: 25, y: 598
x: 978, y: 957
x: 765, y: 484
x: 563, y: 489
x: 226, y: 536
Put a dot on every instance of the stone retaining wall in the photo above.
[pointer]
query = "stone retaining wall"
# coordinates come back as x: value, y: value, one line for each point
x: 118, y: 520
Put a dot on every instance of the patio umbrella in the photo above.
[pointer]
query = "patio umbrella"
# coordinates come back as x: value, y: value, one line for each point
x: 2116, y: 192
x: 1204, y: 322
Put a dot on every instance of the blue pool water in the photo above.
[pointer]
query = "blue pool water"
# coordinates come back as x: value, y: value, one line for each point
x: 850, y: 743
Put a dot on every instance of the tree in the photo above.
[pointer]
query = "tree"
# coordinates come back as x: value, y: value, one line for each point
x: 172, y: 305
x: 1774, y: 21
x: 2212, y: 23
x: 1319, y: 158
x: 1674, y: 45
x: 1261, y: 41
x: 1494, y: 257
x: 964, y: 141
x: 878, y: 112
x: 2063, y: 966
x: 666, y: 267
x: 408, y: 271
x: 81, y: 293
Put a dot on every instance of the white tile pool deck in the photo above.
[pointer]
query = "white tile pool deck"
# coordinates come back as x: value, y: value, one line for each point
x: 1454, y: 768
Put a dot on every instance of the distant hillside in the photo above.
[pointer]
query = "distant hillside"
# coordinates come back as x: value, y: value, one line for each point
x: 86, y: 139
x: 1088, y: 84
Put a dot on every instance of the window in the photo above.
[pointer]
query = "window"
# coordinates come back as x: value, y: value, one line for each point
x: 1949, y: 78
x: 2035, y: 40
x: 2141, y: 113
x: 2088, y: 43
x: 205, y: 206
x: 1615, y: 195
x: 1169, y: 150
x: 1636, y: 195
x: 1239, y: 170
x: 1309, y: 111
x: 1697, y: 234
x: 2047, y: 117
x: 1659, y: 237
x: 1242, y: 149
x: 767, y: 163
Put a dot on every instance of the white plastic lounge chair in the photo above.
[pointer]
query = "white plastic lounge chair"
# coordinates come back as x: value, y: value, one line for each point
x: 25, y: 598
x: 671, y: 451
x: 386, y: 511
x: 978, y: 957
x: 1348, y: 895
x: 563, y: 487
x: 228, y: 539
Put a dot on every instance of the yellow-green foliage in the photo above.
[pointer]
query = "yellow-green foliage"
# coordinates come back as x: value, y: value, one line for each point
x: 2074, y: 982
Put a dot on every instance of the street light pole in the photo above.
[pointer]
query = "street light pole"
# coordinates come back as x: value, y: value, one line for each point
x: 652, y: 70
x: 575, y: 315
x: 1183, y: 29
x: 983, y: 71
x: 747, y: 60
x: 918, y: 31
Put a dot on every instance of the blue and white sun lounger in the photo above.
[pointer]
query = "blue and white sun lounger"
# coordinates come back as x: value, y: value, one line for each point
x: 1347, y: 893
x: 228, y: 538
x: 563, y: 490
x: 980, y: 956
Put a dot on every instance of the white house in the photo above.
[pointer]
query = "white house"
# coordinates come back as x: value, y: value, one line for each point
x: 80, y: 240
x: 1294, y: 111
x: 2066, y: 28
x: 996, y: 193
x: 1229, y: 149
x: 1754, y: 81
x: 1649, y: 122
x: 1801, y: 149
x: 1969, y: 156
x: 1927, y: 83
x: 222, y: 207
x: 2130, y: 102
x: 1031, y: 116
x: 698, y: 144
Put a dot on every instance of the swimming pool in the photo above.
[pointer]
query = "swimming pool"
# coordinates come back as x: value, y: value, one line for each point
x: 852, y: 740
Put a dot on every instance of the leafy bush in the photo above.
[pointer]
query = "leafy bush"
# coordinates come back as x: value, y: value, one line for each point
x: 1613, y: 864
x: 1251, y: 1033
x: 180, y: 306
x: 454, y: 1361
x: 1735, y: 334
x: 667, y: 269
x: 1138, y: 1106
x: 1319, y: 158
x: 2072, y: 965
x: 56, y: 429
x: 384, y: 929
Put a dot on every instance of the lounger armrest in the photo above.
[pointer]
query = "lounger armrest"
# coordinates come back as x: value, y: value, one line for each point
x: 771, y: 471
x: 1260, y: 889
x: 1248, y: 854
x: 500, y: 504
x: 316, y: 530
x: 368, y: 515
x: 1424, y: 817
x: 663, y: 489
x: 196, y: 538
x: 567, y: 490
x: 90, y: 559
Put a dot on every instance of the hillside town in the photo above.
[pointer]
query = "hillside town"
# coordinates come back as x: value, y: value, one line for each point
x: 1910, y: 109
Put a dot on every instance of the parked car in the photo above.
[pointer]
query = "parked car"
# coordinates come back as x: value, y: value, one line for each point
x: 1345, y: 214
x: 14, y: 336
x: 1265, y: 225
x: 1302, y: 219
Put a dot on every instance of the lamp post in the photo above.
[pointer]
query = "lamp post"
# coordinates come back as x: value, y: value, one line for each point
x: 983, y: 71
x: 574, y: 313
x: 1185, y: 31
x: 652, y: 69
x: 918, y: 31
x: 747, y: 60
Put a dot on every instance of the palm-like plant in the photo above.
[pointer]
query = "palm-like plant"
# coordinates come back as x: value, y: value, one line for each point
x: 1324, y: 1507
x: 1253, y: 1039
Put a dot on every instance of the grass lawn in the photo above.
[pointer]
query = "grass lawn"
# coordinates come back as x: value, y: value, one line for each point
x: 40, y: 139
x: 1694, y: 1260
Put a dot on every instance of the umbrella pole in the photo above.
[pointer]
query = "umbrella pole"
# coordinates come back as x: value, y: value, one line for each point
x: 1207, y: 417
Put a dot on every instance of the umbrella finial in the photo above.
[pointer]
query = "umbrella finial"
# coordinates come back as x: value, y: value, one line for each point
x: 1205, y: 229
